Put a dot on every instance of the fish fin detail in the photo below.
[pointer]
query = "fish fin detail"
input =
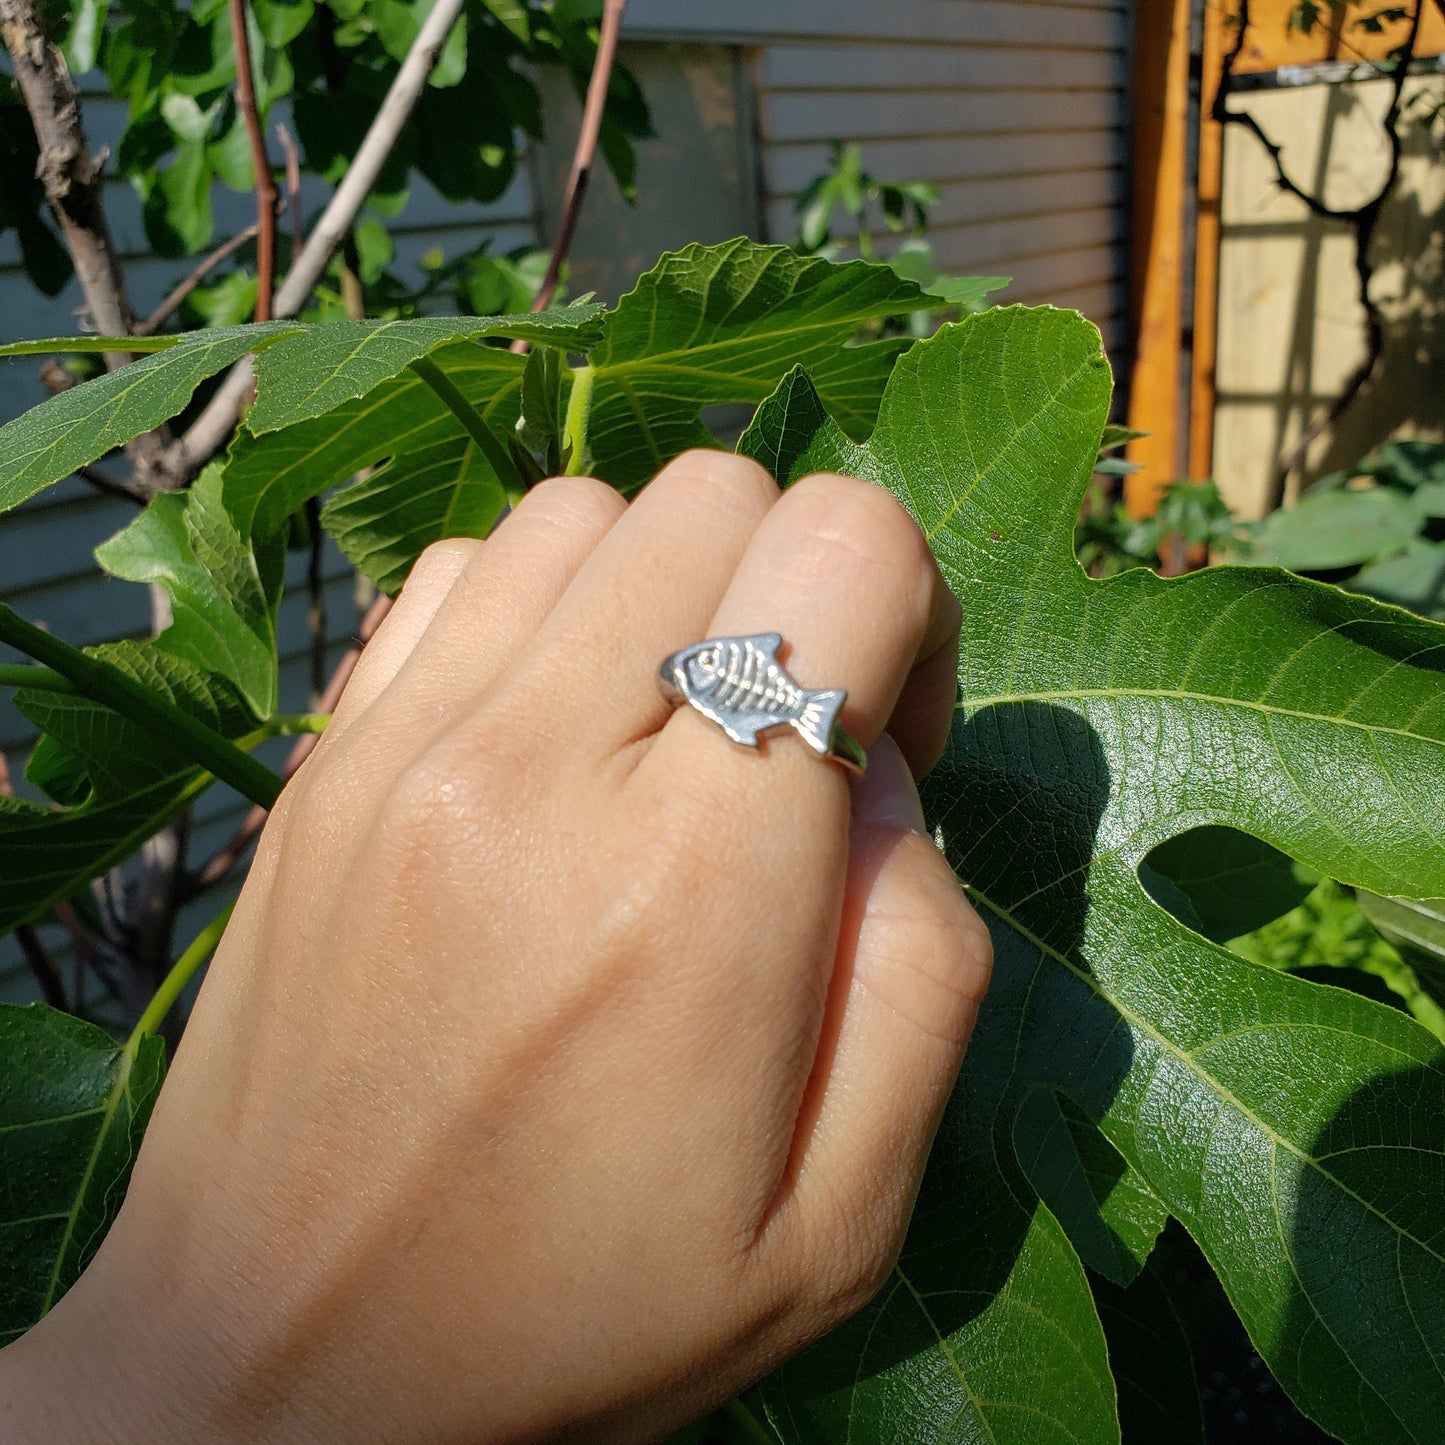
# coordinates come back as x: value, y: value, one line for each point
x: 768, y: 643
x: 818, y: 717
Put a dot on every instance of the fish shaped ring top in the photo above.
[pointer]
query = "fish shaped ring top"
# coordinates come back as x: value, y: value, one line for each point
x: 740, y: 685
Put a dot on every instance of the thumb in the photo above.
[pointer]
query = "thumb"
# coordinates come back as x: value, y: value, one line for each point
x: 912, y: 966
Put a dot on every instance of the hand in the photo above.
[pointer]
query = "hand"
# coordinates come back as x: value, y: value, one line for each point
x: 565, y: 1067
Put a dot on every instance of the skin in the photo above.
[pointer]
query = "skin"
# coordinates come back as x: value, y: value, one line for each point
x: 564, y: 1067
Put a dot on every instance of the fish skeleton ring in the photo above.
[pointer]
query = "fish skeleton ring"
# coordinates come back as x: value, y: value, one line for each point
x: 740, y: 685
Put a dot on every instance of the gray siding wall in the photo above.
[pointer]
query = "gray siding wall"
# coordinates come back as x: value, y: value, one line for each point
x: 1017, y: 112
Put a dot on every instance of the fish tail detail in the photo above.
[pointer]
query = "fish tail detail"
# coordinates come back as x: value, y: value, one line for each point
x: 819, y: 714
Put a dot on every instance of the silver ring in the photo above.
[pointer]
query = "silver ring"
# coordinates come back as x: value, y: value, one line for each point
x: 739, y: 684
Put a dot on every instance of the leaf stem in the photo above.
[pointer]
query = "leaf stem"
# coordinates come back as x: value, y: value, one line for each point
x: 106, y: 684
x: 488, y: 443
x: 26, y: 674
x: 574, y: 426
x: 174, y: 983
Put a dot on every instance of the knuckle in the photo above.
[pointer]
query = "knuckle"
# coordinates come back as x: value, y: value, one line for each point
x: 583, y: 501
x: 926, y: 954
x: 736, y: 484
x: 444, y: 559
x: 433, y: 810
x: 842, y: 517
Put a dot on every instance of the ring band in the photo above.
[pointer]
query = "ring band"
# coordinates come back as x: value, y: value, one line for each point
x: 738, y: 683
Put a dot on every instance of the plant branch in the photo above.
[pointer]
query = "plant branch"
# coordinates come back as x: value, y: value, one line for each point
x: 1363, y: 220
x: 26, y: 674
x: 107, y: 684
x: 73, y: 186
x: 67, y: 169
x: 218, y: 866
x: 475, y: 425
x: 574, y: 424
x: 293, y: 188
x: 182, y: 289
x: 214, y: 425
x: 42, y: 966
x: 260, y: 163
x: 584, y: 155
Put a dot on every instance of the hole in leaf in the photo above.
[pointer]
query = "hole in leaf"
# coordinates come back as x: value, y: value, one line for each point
x: 1259, y: 903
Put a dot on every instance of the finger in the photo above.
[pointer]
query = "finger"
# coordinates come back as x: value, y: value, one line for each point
x: 842, y: 572
x: 912, y: 966
x: 647, y: 590
x: 426, y: 587
x: 924, y: 713
x: 499, y: 600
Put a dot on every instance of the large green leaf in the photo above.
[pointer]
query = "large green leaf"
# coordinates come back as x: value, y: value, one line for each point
x: 48, y: 442
x: 73, y: 1103
x: 47, y: 854
x: 301, y: 372
x: 1297, y: 1130
x: 312, y: 372
x: 1152, y: 1362
x: 716, y: 324
x: 426, y: 479
x: 961, y: 1345
x: 223, y: 610
x: 89, y: 748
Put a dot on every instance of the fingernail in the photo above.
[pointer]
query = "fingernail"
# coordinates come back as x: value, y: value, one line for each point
x: 885, y: 796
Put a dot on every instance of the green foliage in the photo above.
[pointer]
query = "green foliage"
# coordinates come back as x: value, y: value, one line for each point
x: 847, y: 188
x: 74, y: 1104
x: 331, y: 61
x: 1108, y: 539
x: 1377, y: 527
x: 1127, y: 1067
x: 1096, y: 719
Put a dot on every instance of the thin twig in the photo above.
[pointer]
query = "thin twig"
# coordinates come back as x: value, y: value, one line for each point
x: 316, y: 620
x: 87, y: 950
x: 584, y: 155
x: 1363, y: 220
x: 293, y: 188
x: 218, y: 866
x: 37, y: 957
x: 210, y: 430
x: 124, y: 487
x: 260, y: 163
x: 182, y: 289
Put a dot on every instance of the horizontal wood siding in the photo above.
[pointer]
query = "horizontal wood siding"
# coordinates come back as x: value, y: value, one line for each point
x: 1017, y: 113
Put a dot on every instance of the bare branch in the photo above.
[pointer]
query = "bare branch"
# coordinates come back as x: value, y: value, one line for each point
x: 127, y: 488
x: 293, y: 187
x: 260, y: 163
x: 182, y: 289
x: 214, y: 425
x: 67, y: 169
x: 585, y: 154
x: 37, y: 956
x: 72, y: 184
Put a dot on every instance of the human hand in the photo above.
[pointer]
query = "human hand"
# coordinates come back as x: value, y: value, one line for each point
x: 564, y: 1066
